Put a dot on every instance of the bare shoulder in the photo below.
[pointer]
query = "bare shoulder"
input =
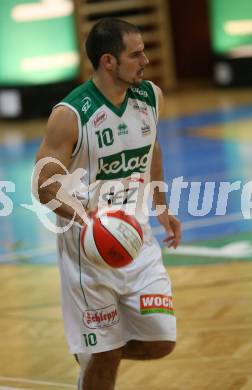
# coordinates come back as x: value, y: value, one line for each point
x: 62, y: 125
x: 61, y: 135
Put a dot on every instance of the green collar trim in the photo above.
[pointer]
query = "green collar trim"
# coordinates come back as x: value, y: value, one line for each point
x: 119, y: 111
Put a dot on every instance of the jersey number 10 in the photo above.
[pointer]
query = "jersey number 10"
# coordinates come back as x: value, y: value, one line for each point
x: 105, y: 137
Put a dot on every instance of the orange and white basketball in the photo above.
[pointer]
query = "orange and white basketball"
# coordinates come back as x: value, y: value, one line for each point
x: 113, y: 238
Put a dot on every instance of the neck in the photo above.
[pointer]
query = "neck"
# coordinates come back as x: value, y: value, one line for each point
x: 113, y: 92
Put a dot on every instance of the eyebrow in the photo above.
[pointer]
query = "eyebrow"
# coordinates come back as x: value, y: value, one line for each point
x: 136, y: 51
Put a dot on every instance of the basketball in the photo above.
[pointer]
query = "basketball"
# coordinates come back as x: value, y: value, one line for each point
x: 112, y: 238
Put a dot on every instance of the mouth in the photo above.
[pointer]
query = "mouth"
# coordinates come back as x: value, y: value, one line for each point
x: 140, y: 73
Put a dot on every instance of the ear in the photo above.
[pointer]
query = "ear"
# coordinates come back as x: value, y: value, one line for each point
x: 108, y: 61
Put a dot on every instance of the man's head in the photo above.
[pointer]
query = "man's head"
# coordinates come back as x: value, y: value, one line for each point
x: 117, y: 46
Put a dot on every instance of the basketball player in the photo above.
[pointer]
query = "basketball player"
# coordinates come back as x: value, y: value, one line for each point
x: 108, y: 127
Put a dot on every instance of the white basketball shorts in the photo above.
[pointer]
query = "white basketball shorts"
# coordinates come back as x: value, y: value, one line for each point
x: 111, y: 320
x: 146, y: 315
x: 103, y: 309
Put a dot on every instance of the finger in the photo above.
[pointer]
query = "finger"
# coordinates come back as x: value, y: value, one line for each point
x: 176, y: 242
x: 168, y: 240
x: 173, y: 245
x: 172, y: 242
x: 170, y: 237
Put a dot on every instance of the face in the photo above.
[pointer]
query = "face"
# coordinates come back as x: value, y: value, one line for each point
x: 129, y: 70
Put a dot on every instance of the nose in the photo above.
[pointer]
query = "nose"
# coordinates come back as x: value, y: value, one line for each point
x: 145, y: 60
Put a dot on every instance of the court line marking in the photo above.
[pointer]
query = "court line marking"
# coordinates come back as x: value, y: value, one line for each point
x: 12, y: 388
x: 204, y: 222
x: 34, y: 382
x: 12, y: 256
x: 187, y: 225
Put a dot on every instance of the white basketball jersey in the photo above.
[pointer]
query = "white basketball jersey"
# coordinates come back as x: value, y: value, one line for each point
x: 114, y: 150
x: 114, y: 147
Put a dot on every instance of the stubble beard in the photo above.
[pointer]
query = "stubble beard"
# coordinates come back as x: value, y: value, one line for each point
x: 127, y: 83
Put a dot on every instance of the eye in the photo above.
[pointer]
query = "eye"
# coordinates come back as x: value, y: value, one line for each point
x: 137, y: 54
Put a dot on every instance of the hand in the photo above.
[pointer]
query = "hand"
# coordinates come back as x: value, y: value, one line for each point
x: 172, y: 227
x: 89, y: 215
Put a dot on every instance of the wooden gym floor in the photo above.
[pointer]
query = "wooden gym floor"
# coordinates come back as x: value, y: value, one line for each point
x: 206, y: 135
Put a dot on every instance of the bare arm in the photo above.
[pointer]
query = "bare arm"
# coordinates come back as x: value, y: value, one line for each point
x: 59, y: 142
x: 166, y: 219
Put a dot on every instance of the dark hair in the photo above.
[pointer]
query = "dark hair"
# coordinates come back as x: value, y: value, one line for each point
x: 106, y: 36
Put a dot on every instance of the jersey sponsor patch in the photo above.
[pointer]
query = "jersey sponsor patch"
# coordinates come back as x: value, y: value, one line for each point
x: 99, y: 118
x: 140, y: 92
x: 141, y: 107
x: 101, y: 318
x: 122, y: 129
x: 145, y: 128
x: 156, y: 303
x: 86, y: 104
x: 123, y: 164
